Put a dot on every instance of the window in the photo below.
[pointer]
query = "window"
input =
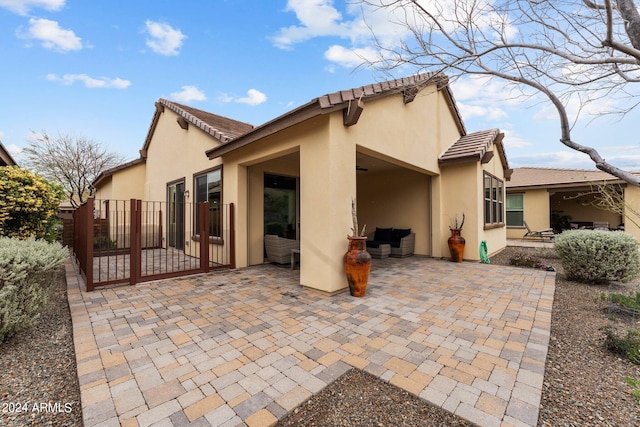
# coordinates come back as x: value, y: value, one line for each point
x: 209, y: 189
x: 515, y: 210
x: 493, y: 201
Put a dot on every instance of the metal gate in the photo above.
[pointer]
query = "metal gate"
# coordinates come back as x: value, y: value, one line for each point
x: 120, y: 241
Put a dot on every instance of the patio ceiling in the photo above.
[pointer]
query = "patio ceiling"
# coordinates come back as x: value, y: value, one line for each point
x: 367, y: 163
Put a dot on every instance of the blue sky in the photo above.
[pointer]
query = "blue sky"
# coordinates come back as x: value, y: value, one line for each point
x: 95, y: 68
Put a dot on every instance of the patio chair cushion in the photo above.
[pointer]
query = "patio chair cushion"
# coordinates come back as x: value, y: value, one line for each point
x: 397, y: 238
x: 382, y: 234
x: 397, y: 234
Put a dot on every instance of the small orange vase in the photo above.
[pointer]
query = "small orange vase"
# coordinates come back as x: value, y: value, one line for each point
x: 357, y: 264
x: 456, y: 245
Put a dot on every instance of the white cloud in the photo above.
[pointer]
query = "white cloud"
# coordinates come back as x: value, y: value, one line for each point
x: 254, y: 97
x: 487, y: 111
x: 317, y: 18
x: 576, y: 107
x: 350, y: 57
x: 514, y: 140
x: 22, y: 7
x: 554, y: 159
x: 188, y: 94
x: 14, y: 150
x: 90, y: 82
x: 164, y: 39
x: 51, y: 36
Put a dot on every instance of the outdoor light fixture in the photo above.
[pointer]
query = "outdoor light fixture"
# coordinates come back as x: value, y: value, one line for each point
x: 186, y: 193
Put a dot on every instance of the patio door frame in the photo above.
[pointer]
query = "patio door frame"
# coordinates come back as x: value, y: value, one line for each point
x: 296, y: 223
x: 176, y: 214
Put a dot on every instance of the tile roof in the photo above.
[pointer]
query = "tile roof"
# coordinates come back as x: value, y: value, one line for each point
x: 222, y: 128
x: 473, y: 146
x: 557, y: 177
x: 408, y: 86
x: 404, y: 84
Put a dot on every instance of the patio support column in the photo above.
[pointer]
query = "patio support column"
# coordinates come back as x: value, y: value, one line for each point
x: 631, y: 197
x: 437, y: 226
x: 234, y: 190
x: 327, y: 185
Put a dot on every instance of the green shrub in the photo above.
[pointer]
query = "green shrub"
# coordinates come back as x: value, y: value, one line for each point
x: 28, y: 268
x: 526, y: 260
x: 627, y: 346
x: 635, y: 384
x: 28, y: 204
x: 594, y: 256
x: 630, y: 302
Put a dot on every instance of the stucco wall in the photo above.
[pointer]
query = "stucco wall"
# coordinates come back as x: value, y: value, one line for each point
x: 536, y: 212
x: 243, y: 184
x: 125, y: 184
x: 632, y: 202
x: 398, y: 199
x: 173, y: 154
x: 460, y: 194
x: 463, y: 192
x: 411, y: 136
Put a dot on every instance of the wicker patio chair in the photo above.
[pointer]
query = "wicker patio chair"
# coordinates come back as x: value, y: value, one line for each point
x: 279, y: 249
x: 406, y: 248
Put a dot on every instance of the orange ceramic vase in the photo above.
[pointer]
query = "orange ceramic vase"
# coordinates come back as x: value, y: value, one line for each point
x: 456, y: 245
x: 357, y: 264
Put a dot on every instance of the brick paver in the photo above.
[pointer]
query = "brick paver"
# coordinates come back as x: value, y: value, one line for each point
x: 244, y: 347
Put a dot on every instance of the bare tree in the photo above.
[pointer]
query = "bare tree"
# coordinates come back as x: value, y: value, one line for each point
x: 566, y: 50
x: 73, y: 161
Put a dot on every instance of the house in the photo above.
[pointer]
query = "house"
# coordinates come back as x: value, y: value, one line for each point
x: 567, y: 199
x: 5, y: 157
x: 399, y: 147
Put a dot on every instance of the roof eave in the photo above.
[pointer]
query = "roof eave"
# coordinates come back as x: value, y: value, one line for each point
x: 321, y: 105
x: 6, y: 156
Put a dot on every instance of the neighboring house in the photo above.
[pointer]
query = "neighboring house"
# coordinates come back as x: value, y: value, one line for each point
x: 5, y: 157
x: 565, y: 199
x: 399, y: 147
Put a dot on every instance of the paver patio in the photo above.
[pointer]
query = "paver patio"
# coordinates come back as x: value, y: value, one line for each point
x: 244, y: 347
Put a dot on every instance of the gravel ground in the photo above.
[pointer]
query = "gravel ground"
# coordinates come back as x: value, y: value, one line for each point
x: 38, y: 379
x: 584, y: 384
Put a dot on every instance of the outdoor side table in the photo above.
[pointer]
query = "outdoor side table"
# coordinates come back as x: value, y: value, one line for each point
x: 295, y: 258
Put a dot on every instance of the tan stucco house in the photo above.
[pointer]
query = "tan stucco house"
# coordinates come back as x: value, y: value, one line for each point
x: 399, y: 147
x: 566, y: 199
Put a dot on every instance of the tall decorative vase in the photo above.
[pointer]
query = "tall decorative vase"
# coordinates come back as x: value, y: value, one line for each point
x: 456, y: 245
x: 357, y: 264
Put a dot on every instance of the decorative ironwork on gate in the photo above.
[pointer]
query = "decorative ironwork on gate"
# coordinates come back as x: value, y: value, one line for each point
x: 134, y: 241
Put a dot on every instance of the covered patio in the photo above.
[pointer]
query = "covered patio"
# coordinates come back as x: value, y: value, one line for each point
x: 250, y: 345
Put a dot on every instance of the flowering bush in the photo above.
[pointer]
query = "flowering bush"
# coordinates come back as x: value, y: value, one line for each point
x: 28, y: 204
x: 594, y: 256
x: 28, y: 268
